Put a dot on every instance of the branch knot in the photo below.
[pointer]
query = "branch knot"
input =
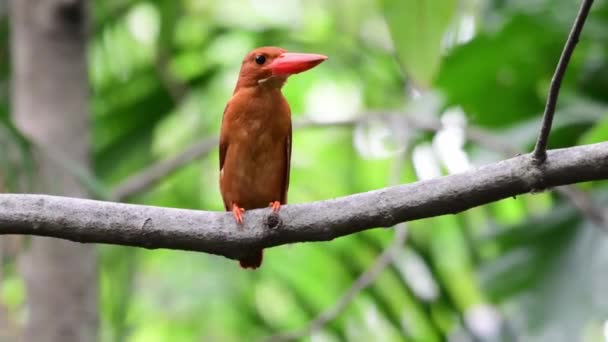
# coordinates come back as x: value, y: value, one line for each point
x: 273, y: 221
x: 534, y: 175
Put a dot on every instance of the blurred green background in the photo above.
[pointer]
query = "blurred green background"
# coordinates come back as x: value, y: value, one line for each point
x: 528, y: 268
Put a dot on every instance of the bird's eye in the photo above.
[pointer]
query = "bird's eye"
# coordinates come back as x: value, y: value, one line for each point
x: 260, y: 59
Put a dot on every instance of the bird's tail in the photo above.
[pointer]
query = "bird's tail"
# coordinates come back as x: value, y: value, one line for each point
x: 253, y: 260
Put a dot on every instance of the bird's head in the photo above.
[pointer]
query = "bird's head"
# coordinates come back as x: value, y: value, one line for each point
x: 271, y: 66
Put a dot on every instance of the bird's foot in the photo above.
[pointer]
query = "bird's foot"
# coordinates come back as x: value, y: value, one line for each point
x: 276, y: 206
x: 238, y: 213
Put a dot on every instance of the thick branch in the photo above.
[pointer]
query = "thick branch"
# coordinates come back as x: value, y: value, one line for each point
x: 556, y: 82
x: 216, y: 232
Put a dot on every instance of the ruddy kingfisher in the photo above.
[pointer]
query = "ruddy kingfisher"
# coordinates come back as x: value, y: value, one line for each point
x: 255, y: 139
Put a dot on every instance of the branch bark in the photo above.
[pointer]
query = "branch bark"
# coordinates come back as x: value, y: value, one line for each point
x: 216, y: 232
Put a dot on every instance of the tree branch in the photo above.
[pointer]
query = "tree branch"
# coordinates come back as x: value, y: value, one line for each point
x: 541, y: 144
x: 151, y: 175
x: 216, y: 232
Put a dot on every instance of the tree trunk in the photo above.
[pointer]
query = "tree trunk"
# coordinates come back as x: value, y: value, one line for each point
x: 50, y: 106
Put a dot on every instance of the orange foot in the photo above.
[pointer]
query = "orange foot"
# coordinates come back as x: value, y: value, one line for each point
x: 238, y: 213
x: 276, y: 206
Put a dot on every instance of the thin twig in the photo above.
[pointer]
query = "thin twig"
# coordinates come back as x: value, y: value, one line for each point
x: 540, y: 151
x: 154, y: 173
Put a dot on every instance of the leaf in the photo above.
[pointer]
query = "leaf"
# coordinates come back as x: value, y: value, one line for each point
x: 569, y: 292
x: 523, y: 134
x: 417, y: 28
x: 523, y: 252
x: 495, y: 77
x: 597, y: 134
x: 117, y: 277
x: 453, y: 263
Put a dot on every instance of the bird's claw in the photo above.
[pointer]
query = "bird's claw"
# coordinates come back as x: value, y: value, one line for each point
x: 276, y: 206
x: 238, y: 213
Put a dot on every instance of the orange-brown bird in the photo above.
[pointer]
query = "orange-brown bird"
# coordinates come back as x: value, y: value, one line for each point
x: 255, y: 141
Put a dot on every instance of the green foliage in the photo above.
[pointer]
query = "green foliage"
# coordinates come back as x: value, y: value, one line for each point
x: 418, y: 28
x: 596, y: 134
x: 161, y: 72
x: 502, y: 71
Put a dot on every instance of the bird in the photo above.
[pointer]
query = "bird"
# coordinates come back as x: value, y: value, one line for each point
x: 255, y: 138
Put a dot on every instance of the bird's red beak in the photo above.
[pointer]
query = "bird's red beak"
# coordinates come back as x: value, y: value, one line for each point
x: 289, y: 63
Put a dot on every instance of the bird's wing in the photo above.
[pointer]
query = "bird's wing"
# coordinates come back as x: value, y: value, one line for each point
x: 223, y: 140
x: 223, y: 148
x: 287, y: 166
